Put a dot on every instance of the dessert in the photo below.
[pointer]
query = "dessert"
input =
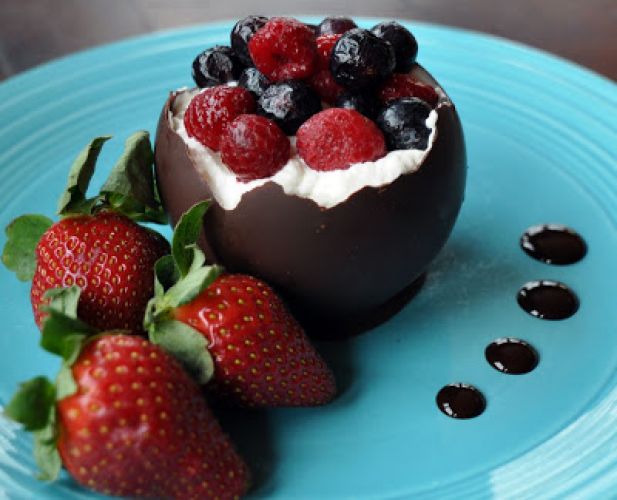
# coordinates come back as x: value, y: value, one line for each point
x: 340, y: 244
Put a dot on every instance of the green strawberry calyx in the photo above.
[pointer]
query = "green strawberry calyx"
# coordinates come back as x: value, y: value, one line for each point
x: 179, y: 278
x: 130, y: 190
x: 34, y: 404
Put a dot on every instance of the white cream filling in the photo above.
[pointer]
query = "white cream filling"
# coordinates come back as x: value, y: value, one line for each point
x: 326, y: 189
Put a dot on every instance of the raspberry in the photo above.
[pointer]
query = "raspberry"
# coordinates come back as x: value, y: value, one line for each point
x: 284, y: 49
x: 336, y: 138
x: 253, y: 147
x: 325, y: 44
x: 399, y: 85
x: 324, y: 84
x: 211, y: 110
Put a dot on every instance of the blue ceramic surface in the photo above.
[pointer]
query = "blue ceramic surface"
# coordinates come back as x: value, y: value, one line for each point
x: 542, y: 147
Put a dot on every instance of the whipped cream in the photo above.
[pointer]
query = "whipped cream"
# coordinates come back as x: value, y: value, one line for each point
x: 326, y: 189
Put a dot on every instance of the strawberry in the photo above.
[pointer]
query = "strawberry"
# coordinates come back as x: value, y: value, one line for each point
x: 124, y: 418
x: 109, y: 257
x: 96, y: 245
x: 261, y: 355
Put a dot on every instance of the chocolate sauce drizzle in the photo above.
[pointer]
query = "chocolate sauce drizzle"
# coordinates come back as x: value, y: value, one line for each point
x: 460, y: 401
x: 553, y: 244
x: 510, y: 355
x: 547, y: 299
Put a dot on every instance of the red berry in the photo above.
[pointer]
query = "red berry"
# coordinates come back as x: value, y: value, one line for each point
x: 325, y: 43
x: 138, y: 426
x: 109, y: 257
x: 337, y: 138
x: 326, y: 87
x: 254, y: 147
x: 284, y: 49
x: 210, y: 111
x: 262, y: 357
x: 402, y: 85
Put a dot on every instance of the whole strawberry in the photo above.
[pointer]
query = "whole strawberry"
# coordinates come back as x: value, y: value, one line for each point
x: 261, y: 355
x: 125, y: 418
x: 96, y: 245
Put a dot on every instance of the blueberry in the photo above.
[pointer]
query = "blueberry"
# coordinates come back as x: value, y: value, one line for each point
x: 363, y: 103
x: 254, y: 81
x: 361, y: 59
x: 335, y: 25
x: 403, y: 123
x: 242, y: 32
x: 215, y: 66
x: 402, y: 41
x: 289, y: 104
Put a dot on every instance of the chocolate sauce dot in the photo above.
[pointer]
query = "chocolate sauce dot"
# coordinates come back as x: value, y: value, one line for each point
x: 512, y: 356
x: 460, y: 401
x: 553, y: 244
x: 546, y: 299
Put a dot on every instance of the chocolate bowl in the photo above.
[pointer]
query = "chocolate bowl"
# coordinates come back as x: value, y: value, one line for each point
x: 349, y: 266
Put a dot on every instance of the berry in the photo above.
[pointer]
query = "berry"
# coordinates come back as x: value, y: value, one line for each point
x: 324, y: 85
x: 284, y: 49
x: 253, y: 81
x: 399, y: 85
x: 360, y: 59
x: 242, y: 33
x: 335, y: 25
x: 210, y: 111
x: 262, y: 356
x: 363, y: 103
x: 336, y: 138
x: 403, y: 123
x: 253, y: 147
x: 138, y: 426
x: 325, y: 44
x: 402, y: 41
x: 109, y: 257
x: 289, y: 104
x: 215, y: 66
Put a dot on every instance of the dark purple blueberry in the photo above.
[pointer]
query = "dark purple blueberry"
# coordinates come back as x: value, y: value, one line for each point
x: 364, y: 103
x: 242, y: 32
x: 289, y: 104
x: 254, y: 81
x: 403, y: 123
x: 402, y: 41
x: 360, y: 59
x: 215, y: 66
x: 334, y: 25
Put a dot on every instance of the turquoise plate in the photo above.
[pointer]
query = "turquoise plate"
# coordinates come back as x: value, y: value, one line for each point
x: 542, y: 147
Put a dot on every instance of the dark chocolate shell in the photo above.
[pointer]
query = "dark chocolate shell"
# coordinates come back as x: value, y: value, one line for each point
x: 337, y: 264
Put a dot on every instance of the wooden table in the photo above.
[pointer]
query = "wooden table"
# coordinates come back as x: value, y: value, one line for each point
x: 35, y: 31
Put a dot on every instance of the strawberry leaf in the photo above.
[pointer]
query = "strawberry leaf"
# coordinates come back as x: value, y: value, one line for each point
x: 31, y: 404
x: 22, y: 237
x: 187, y: 345
x: 63, y: 333
x: 166, y: 274
x: 191, y: 285
x: 34, y: 406
x: 130, y: 188
x: 73, y: 200
x: 46, y: 450
x: 185, y: 236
